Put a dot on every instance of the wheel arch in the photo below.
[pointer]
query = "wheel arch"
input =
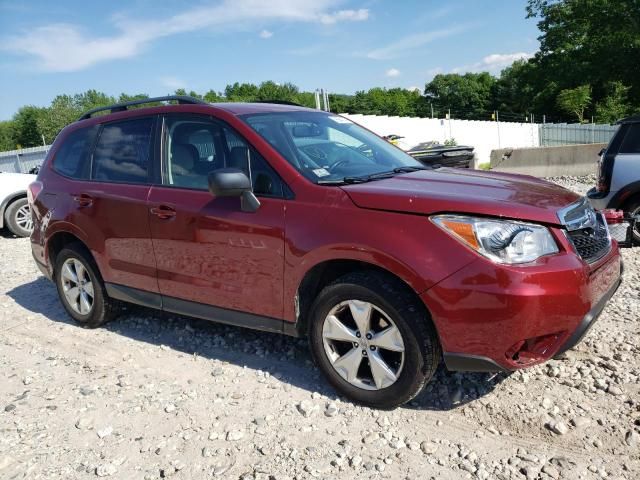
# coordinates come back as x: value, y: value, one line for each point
x: 625, y: 195
x: 58, y: 241
x: 325, y: 272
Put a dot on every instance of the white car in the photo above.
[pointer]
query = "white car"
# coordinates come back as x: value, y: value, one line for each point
x: 15, y: 213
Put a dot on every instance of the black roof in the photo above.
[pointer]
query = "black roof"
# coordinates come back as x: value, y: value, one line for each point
x: 632, y: 119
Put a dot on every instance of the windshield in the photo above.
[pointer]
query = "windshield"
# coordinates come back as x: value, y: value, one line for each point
x: 327, y: 148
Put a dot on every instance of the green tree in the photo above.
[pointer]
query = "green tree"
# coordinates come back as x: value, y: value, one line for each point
x: 212, y: 97
x: 596, y: 40
x: 25, y: 124
x: 62, y: 111
x: 338, y: 103
x: 7, y: 136
x: 575, y: 100
x: 615, y: 105
x: 241, y: 92
x: 467, y: 96
x: 514, y: 91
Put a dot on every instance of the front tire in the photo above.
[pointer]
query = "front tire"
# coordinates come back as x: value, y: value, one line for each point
x: 373, y: 339
x: 81, y: 289
x: 632, y: 210
x: 18, y: 218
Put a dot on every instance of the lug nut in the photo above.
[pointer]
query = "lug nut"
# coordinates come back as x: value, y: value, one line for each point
x: 372, y: 348
x: 364, y: 353
x: 358, y: 334
x: 369, y: 336
x: 356, y: 345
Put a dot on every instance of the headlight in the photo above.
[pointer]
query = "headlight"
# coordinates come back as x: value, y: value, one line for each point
x: 502, y: 241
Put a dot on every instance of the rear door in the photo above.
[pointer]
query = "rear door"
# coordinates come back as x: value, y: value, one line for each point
x: 208, y: 251
x: 111, y: 209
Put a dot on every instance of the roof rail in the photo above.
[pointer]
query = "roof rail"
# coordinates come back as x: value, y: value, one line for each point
x: 280, y: 102
x: 121, y: 107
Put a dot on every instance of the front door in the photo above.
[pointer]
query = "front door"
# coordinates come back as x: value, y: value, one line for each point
x: 207, y: 250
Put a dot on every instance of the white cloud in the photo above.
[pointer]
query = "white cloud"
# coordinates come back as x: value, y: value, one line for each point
x: 266, y: 34
x: 66, y: 47
x: 403, y: 46
x: 392, y: 72
x: 493, y: 63
x: 345, y: 16
x: 172, y: 82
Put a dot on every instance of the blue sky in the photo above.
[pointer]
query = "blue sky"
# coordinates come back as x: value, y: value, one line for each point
x: 154, y: 47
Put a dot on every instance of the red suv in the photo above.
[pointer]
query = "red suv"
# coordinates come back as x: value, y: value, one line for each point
x: 292, y: 220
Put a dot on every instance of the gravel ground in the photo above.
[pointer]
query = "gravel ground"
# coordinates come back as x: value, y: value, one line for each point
x: 155, y: 396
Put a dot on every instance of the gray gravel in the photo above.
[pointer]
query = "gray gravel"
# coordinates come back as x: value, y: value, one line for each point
x: 156, y: 396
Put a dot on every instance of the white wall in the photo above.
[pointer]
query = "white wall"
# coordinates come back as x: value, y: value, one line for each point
x: 484, y: 136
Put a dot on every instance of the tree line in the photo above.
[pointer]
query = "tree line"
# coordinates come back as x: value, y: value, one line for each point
x: 585, y: 70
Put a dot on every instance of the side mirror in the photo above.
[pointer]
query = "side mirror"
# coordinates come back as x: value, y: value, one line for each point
x: 601, y: 152
x: 232, y: 182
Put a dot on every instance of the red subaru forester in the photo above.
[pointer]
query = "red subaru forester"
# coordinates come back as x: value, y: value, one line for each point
x: 292, y: 220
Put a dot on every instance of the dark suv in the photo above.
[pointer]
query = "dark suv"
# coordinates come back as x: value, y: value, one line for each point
x: 292, y: 220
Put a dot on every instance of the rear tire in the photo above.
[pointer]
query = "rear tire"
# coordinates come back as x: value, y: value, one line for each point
x: 81, y: 289
x: 18, y: 218
x: 410, y: 356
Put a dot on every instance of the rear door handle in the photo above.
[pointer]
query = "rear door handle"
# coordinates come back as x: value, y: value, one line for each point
x: 163, y: 212
x: 83, y: 200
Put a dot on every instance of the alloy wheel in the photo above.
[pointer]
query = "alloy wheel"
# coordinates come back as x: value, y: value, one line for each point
x: 77, y: 286
x: 363, y: 344
x: 23, y: 218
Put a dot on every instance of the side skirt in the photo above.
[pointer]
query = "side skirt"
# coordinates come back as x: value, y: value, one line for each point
x: 200, y: 310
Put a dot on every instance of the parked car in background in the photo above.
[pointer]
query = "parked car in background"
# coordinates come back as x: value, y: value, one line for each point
x: 15, y: 213
x: 298, y: 221
x: 618, y: 183
x: 434, y: 153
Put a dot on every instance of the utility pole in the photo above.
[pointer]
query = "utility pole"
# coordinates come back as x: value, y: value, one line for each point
x: 498, y: 126
x: 431, y: 103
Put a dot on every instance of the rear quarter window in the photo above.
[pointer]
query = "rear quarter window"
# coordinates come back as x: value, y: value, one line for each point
x: 631, y: 141
x: 73, y: 157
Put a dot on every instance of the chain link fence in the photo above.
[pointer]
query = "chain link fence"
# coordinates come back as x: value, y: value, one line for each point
x: 21, y: 161
x: 555, y: 134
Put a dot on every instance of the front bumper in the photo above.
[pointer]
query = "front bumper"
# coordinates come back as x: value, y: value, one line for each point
x: 499, y: 318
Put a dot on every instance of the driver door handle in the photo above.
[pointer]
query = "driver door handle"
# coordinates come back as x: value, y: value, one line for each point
x: 163, y: 212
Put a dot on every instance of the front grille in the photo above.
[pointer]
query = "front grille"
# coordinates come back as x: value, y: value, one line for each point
x: 592, y: 243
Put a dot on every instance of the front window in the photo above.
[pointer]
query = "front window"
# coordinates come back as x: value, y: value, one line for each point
x: 327, y: 148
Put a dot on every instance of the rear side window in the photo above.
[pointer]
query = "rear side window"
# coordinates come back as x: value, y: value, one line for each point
x: 72, y: 159
x: 122, y: 152
x: 631, y: 141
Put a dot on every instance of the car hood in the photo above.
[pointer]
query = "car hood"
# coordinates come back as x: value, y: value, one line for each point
x: 465, y: 191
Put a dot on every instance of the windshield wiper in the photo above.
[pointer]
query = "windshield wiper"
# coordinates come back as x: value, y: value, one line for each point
x: 382, y: 175
x: 373, y: 176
